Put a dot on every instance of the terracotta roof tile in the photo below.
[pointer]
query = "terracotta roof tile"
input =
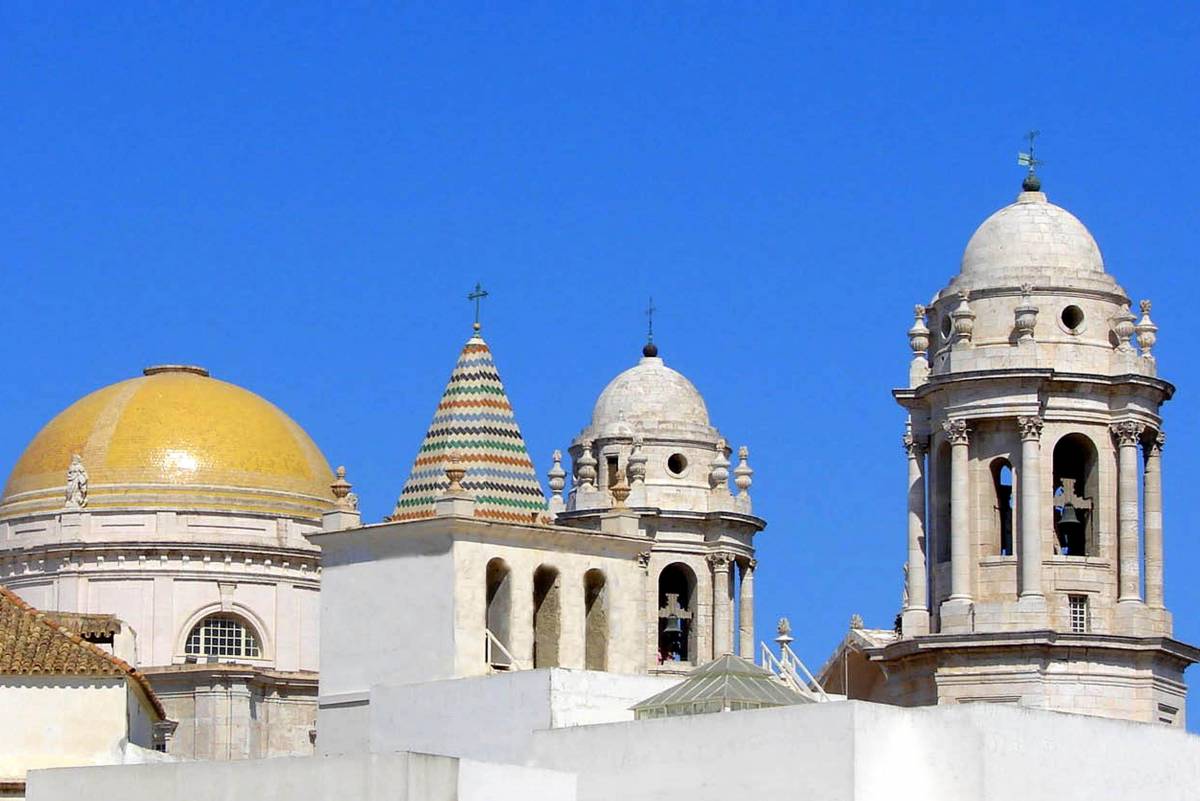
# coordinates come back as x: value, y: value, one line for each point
x: 33, y: 644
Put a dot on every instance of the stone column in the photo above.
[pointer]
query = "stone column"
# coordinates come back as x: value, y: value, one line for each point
x: 1030, y: 547
x: 960, y: 520
x: 1127, y: 434
x: 1152, y: 498
x: 915, y: 616
x: 722, y: 610
x: 746, y: 611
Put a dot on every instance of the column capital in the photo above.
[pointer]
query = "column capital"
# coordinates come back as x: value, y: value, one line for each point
x: 914, y: 446
x: 956, y: 431
x: 1154, y: 443
x: 749, y: 566
x: 1031, y: 427
x: 1127, y: 433
x: 720, y: 561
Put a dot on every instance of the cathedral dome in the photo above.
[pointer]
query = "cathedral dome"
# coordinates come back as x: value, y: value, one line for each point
x: 1030, y: 241
x: 174, y: 438
x: 649, y: 397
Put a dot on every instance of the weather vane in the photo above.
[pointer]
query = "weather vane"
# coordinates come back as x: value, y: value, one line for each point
x: 477, y: 295
x: 1031, y: 182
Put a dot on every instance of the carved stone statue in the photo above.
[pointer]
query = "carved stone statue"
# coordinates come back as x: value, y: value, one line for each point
x: 77, y: 483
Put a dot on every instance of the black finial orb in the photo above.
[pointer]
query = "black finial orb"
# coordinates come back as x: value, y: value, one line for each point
x: 1031, y: 183
x: 650, y: 350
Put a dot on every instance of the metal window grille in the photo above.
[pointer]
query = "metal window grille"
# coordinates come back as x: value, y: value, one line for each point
x: 1079, y: 613
x: 222, y: 636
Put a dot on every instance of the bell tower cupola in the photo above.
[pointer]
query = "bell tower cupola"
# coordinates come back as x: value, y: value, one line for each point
x: 1034, y: 446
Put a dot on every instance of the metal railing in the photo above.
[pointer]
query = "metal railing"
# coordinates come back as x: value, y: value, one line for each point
x: 788, y: 667
x: 498, y: 657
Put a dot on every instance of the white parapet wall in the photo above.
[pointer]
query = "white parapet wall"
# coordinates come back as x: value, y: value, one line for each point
x: 487, y: 717
x: 854, y: 751
x: 359, y: 777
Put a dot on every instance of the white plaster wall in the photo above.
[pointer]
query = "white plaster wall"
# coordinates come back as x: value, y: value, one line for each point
x: 362, y: 777
x: 54, y: 721
x: 851, y: 750
x: 493, y: 718
x: 387, y: 607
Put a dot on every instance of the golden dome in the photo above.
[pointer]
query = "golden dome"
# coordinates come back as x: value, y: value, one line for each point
x: 174, y: 439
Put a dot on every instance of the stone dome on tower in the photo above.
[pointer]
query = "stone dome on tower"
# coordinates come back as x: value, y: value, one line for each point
x: 650, y: 398
x: 1032, y: 241
x: 174, y: 438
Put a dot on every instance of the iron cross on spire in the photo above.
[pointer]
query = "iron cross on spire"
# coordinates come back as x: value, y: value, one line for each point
x: 650, y: 310
x: 477, y: 295
x: 1031, y: 182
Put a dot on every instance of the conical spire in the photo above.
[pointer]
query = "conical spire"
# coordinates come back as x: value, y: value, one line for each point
x: 474, y: 422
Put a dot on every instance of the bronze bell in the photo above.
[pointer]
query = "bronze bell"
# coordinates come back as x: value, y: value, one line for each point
x: 674, y: 625
x: 1069, y: 516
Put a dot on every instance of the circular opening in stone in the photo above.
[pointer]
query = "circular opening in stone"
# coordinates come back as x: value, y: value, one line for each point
x: 677, y: 463
x: 1072, y: 318
x: 946, y: 326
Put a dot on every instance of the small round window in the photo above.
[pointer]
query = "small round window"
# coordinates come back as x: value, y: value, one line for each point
x: 1072, y: 318
x: 677, y: 463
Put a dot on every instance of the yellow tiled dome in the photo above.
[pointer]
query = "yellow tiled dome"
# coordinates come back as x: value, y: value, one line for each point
x: 174, y: 439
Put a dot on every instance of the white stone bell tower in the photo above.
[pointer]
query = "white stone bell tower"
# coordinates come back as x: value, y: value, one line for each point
x: 651, y: 463
x: 1033, y: 424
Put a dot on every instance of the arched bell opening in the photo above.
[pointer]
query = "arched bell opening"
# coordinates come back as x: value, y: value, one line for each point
x: 676, y: 614
x: 1002, y: 496
x: 547, y: 616
x: 1076, y: 490
x: 595, y: 621
x: 498, y: 615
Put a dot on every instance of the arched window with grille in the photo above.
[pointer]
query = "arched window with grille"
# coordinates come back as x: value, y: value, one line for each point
x: 223, y: 635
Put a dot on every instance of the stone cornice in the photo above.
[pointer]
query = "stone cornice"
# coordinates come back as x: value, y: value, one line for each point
x: 910, y: 397
x: 674, y: 514
x: 913, y: 646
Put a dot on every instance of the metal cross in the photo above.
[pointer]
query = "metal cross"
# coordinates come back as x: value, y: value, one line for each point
x: 1027, y: 159
x: 650, y: 310
x: 477, y: 295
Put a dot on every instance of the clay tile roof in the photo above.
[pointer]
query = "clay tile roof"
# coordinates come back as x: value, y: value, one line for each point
x: 33, y: 644
x: 86, y: 625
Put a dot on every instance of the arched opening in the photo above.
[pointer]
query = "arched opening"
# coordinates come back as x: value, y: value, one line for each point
x: 498, y: 615
x: 1002, y: 484
x: 223, y: 635
x: 547, y: 615
x: 1076, y: 485
x: 676, y: 612
x: 595, y: 621
x: 941, y: 506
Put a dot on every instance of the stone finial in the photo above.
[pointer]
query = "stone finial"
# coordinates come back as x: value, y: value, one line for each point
x: 585, y: 468
x: 556, y: 477
x: 743, y: 472
x: 77, y: 483
x: 783, y: 632
x: 1025, y: 315
x: 856, y: 621
x: 718, y: 476
x: 620, y: 493
x: 343, y: 498
x: 1123, y: 328
x: 455, y: 472
x: 963, y: 318
x: 636, y: 464
x: 918, y: 335
x: 1147, y: 331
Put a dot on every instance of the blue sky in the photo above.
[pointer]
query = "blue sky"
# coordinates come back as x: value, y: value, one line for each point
x: 299, y: 197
